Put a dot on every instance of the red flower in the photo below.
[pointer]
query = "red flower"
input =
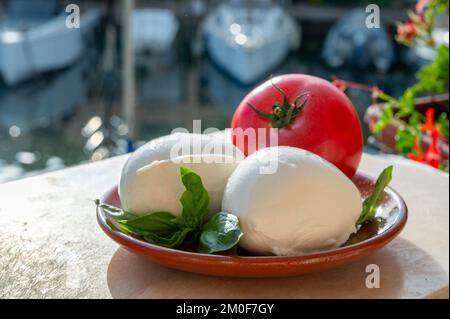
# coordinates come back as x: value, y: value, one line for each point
x: 429, y: 126
x: 432, y: 156
x: 407, y: 31
x: 418, y: 156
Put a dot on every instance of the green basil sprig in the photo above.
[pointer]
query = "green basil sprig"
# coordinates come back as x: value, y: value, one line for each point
x: 372, y: 202
x: 221, y: 233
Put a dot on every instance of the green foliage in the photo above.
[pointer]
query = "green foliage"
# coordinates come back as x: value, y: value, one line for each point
x: 405, y: 140
x: 443, y: 124
x: 441, y: 5
x: 386, y: 117
x: 431, y: 79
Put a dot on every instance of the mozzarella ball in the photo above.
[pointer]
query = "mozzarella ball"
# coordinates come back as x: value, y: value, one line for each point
x: 151, y: 181
x: 303, y: 204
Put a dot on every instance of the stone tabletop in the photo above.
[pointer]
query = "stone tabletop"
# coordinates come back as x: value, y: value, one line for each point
x: 52, y: 247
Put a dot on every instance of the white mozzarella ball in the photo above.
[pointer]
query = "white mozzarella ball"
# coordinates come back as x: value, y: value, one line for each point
x: 151, y: 182
x: 306, y: 205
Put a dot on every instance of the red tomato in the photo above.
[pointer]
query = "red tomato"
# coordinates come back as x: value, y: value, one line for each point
x: 310, y: 113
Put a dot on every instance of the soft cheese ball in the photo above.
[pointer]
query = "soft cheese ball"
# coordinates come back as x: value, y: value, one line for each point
x: 151, y: 182
x: 306, y: 205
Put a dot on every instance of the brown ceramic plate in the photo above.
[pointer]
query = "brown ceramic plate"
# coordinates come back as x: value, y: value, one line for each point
x: 391, y: 218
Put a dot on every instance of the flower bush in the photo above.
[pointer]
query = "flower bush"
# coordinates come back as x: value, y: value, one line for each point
x: 432, y: 79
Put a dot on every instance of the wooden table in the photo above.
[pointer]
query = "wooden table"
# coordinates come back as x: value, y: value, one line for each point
x: 52, y: 247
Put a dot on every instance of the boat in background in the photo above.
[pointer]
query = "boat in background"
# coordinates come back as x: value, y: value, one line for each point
x: 34, y: 38
x: 48, y: 99
x: 248, y: 39
x: 159, y: 73
x: 154, y: 30
x: 351, y: 43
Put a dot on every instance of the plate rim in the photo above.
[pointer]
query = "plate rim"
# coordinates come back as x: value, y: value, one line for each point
x: 385, y: 237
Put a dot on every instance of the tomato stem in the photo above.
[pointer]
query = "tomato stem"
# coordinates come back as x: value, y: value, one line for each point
x: 283, y: 114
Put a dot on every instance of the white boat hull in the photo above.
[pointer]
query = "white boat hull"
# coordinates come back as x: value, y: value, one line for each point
x: 47, y: 46
x: 247, y: 49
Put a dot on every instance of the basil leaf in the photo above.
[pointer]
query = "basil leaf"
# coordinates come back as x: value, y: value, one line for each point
x: 221, y: 232
x: 371, y: 203
x: 158, y: 223
x: 119, y: 228
x: 195, y: 199
x: 114, y: 212
x: 172, y: 240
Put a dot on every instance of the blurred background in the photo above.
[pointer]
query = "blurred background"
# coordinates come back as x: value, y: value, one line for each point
x: 134, y: 70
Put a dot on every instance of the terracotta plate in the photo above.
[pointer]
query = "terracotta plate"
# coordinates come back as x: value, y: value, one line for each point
x: 391, y: 218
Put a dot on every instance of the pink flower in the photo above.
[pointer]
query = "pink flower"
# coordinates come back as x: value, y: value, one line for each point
x: 376, y: 92
x: 420, y: 6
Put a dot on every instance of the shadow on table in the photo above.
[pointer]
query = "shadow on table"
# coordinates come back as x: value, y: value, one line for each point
x: 406, y: 271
